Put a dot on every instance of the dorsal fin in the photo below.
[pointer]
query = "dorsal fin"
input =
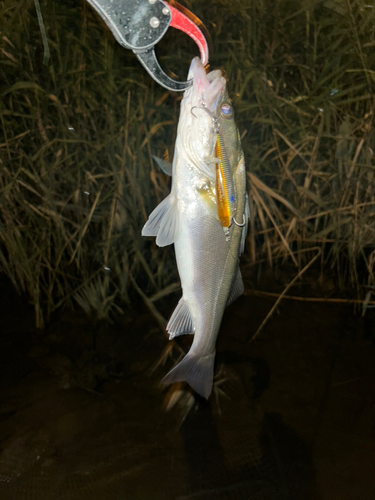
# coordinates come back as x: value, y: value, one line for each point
x: 245, y: 228
x: 236, y: 290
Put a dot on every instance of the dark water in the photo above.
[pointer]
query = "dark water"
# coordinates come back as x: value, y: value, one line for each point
x: 291, y: 418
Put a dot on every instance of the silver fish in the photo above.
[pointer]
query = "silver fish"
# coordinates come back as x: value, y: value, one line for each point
x: 207, y: 249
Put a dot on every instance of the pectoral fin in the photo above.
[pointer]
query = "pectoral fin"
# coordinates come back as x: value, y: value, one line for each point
x: 163, y: 222
x: 166, y: 166
x: 181, y: 322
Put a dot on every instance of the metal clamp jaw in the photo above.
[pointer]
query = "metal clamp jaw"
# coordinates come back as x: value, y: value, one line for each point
x: 139, y: 25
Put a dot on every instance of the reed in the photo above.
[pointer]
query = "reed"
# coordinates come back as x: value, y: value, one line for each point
x: 76, y: 176
x: 75, y: 181
x: 303, y: 81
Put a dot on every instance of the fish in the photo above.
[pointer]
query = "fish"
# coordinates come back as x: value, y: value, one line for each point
x: 205, y: 216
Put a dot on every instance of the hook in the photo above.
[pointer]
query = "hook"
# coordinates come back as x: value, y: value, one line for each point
x: 237, y: 224
x: 215, y: 121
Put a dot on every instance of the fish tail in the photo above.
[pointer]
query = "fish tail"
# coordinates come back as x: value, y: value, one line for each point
x: 197, y: 371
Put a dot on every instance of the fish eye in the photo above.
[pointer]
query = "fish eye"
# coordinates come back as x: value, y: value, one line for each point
x: 227, y: 111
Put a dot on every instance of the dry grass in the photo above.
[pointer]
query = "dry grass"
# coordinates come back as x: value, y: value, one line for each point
x: 303, y: 87
x: 75, y: 180
x: 76, y: 176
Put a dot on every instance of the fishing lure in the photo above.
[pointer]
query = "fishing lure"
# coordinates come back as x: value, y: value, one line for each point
x: 223, y: 184
x: 225, y: 198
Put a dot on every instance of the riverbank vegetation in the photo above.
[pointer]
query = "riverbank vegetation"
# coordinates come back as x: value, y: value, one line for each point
x: 79, y: 125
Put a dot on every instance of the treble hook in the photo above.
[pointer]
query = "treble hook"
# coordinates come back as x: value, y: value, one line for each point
x: 215, y: 121
x: 237, y: 224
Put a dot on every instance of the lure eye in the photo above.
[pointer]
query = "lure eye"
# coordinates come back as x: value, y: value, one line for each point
x: 227, y: 111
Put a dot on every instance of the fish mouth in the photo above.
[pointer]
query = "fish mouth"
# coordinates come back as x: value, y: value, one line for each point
x: 207, y: 88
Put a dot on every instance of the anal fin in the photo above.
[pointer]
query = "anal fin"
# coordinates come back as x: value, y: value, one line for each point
x: 180, y: 322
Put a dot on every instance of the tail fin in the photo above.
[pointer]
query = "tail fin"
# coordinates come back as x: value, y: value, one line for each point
x: 197, y: 371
